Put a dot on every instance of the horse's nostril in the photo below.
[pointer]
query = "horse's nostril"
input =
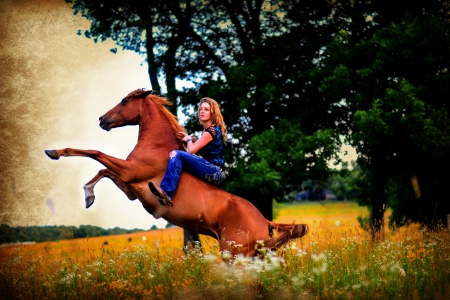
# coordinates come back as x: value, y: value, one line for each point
x: 100, y: 119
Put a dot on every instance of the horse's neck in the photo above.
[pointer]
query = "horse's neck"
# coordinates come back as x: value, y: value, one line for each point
x: 155, y: 130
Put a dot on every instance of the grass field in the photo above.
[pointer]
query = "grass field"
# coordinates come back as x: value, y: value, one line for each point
x: 336, y: 260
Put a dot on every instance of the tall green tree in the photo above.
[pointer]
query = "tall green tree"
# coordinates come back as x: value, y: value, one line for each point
x: 389, y: 73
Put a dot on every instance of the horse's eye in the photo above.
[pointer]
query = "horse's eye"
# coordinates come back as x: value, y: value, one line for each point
x: 124, y: 101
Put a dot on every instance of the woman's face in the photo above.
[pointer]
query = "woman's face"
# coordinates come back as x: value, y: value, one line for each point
x: 204, y: 112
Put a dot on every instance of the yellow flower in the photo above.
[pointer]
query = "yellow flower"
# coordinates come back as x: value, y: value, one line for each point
x: 187, y: 283
x: 175, y: 283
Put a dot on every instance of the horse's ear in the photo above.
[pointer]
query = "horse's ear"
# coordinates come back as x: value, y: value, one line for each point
x: 146, y: 93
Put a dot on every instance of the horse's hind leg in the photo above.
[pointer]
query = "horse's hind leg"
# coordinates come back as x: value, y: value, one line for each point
x: 89, y: 187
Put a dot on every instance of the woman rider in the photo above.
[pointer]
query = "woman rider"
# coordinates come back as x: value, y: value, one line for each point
x: 209, y: 167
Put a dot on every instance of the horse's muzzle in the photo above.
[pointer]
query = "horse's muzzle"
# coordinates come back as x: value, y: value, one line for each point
x: 104, y: 124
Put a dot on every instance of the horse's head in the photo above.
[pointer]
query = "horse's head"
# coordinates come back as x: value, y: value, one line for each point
x: 127, y: 112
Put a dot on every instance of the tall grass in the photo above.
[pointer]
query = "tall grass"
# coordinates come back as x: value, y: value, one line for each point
x: 336, y: 260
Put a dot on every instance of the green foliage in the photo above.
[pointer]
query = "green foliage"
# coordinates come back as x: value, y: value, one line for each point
x: 349, y: 184
x: 10, y: 234
x: 388, y: 76
x: 281, y: 158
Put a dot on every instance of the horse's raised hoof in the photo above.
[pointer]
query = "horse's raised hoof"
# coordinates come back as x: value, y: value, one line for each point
x: 89, y: 201
x: 52, y: 154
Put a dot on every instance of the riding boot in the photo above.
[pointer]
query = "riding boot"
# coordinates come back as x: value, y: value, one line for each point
x: 157, y: 191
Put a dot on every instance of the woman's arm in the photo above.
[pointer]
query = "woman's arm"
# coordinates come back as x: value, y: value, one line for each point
x: 199, y: 144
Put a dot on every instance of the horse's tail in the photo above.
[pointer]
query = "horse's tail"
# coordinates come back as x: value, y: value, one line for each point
x: 285, y: 233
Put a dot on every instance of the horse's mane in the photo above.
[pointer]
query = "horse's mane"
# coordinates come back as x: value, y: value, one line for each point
x: 162, y: 104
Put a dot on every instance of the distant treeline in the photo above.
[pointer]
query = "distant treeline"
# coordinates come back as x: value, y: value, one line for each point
x: 54, y: 233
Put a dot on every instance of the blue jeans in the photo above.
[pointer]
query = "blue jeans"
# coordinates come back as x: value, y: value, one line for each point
x: 195, y: 165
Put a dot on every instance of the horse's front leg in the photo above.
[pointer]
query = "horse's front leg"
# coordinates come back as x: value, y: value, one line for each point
x: 114, y: 164
x: 89, y: 187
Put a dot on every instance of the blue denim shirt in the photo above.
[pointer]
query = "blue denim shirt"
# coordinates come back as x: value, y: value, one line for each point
x: 214, y: 151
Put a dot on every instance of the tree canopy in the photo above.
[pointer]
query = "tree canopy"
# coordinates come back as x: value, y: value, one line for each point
x: 10, y: 234
x: 392, y: 83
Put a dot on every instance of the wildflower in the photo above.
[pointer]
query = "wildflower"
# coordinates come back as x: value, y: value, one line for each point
x: 175, y: 283
x: 100, y: 284
x: 159, y: 288
x: 186, y: 283
x: 292, y: 245
x: 256, y: 266
x: 226, y: 255
x: 338, y: 223
x: 241, y: 260
x: 323, y: 268
x: 400, y: 270
x: 230, y: 282
x: 232, y: 245
x: 209, y: 258
x: 67, y: 279
x: 318, y: 257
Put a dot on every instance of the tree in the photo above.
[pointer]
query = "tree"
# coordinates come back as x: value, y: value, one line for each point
x: 389, y: 76
x: 269, y: 89
x: 156, y: 30
x: 222, y: 45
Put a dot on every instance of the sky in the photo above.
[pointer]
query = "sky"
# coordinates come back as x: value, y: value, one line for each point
x: 53, y: 88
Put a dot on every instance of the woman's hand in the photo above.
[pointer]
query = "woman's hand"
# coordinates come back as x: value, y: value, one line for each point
x: 200, y: 143
x: 185, y: 136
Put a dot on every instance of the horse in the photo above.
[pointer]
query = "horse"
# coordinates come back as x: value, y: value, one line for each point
x: 238, y: 225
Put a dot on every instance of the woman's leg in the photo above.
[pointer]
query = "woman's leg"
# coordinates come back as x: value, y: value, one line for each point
x: 197, y: 166
x: 169, y: 184
x: 203, y: 169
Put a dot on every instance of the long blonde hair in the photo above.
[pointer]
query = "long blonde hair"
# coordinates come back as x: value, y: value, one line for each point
x: 216, y: 116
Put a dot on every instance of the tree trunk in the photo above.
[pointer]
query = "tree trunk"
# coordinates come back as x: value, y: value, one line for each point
x: 261, y: 202
x: 190, y: 238
x: 377, y: 194
x: 266, y: 208
x: 434, y: 204
x: 152, y: 67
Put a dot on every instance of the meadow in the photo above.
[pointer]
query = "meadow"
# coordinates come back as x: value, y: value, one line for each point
x: 335, y: 260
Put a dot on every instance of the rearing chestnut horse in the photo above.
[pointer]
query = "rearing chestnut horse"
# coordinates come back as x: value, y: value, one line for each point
x: 197, y: 205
